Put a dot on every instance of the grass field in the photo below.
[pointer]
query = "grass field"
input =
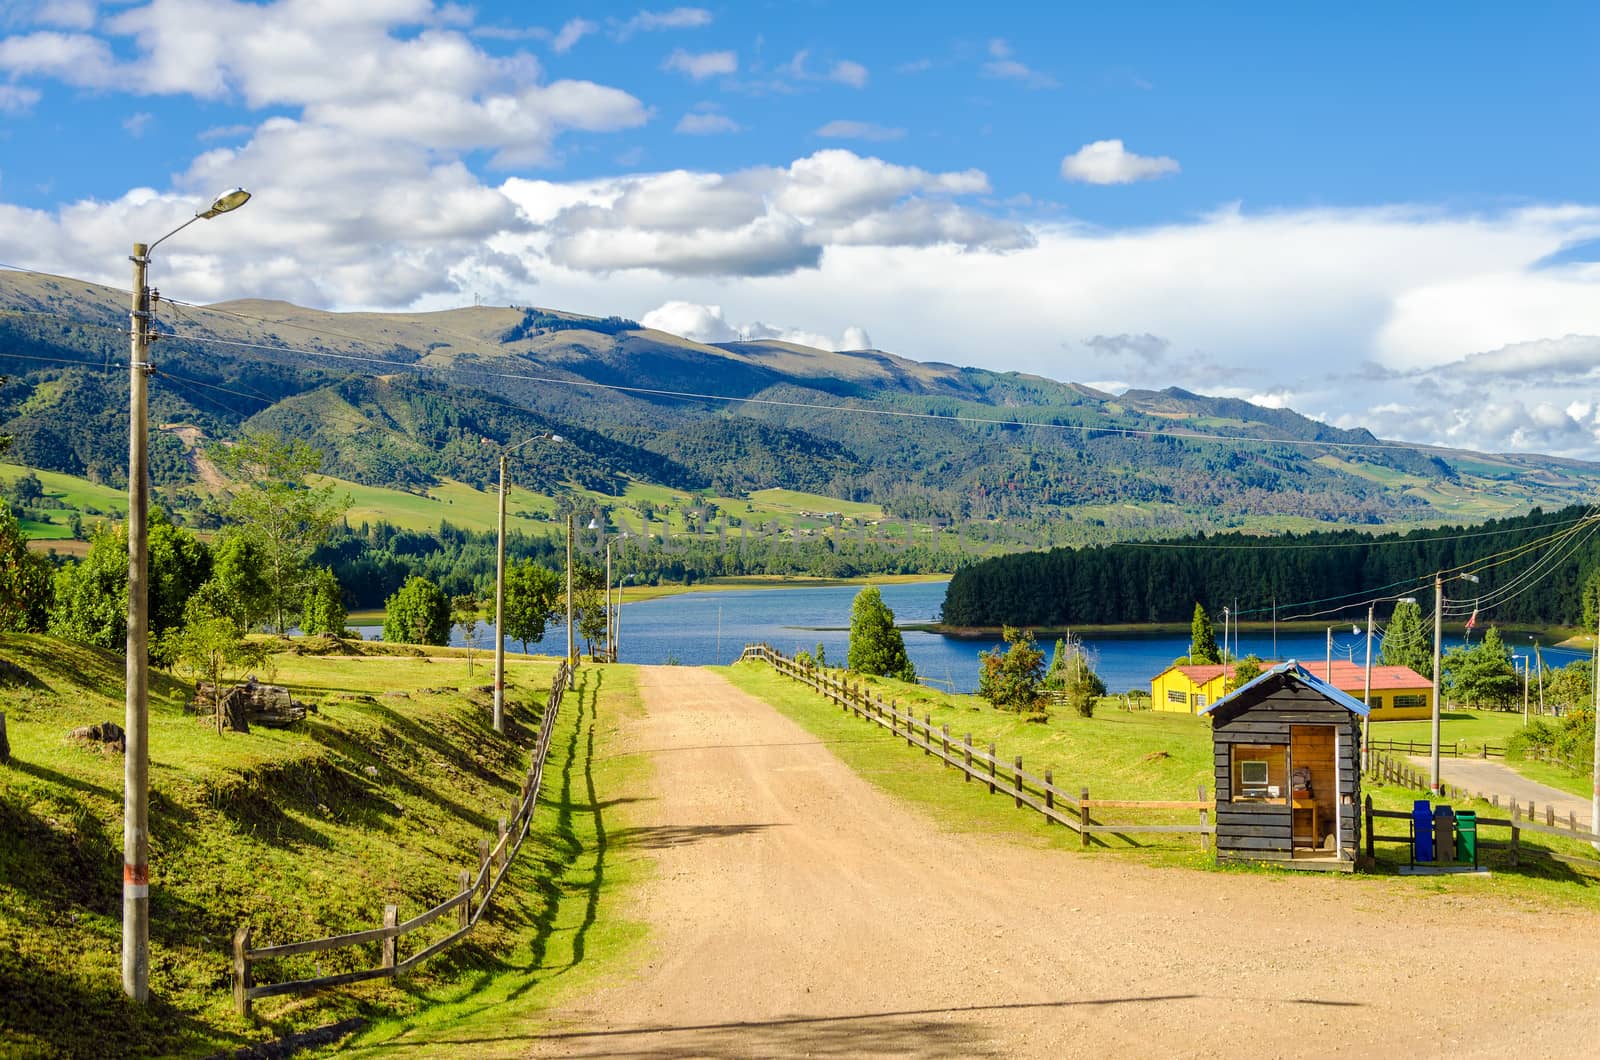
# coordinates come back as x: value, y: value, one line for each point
x: 77, y: 494
x: 1116, y: 755
x: 381, y: 796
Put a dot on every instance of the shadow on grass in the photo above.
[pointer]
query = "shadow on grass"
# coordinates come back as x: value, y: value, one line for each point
x: 668, y: 836
x: 44, y: 1012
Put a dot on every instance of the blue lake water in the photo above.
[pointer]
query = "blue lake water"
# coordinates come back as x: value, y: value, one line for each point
x: 712, y: 627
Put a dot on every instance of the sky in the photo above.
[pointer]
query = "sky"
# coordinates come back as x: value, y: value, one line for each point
x: 1380, y: 215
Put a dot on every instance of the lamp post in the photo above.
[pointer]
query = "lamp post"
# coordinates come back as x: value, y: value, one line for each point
x: 136, y: 761
x: 1438, y: 643
x: 500, y: 588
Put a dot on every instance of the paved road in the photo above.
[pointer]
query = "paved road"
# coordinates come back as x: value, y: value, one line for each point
x: 798, y: 911
x: 1496, y: 778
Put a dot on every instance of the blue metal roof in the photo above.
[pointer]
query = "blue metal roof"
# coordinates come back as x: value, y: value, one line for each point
x: 1293, y: 669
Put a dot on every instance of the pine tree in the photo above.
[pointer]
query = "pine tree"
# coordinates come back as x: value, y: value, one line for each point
x: 1405, y: 642
x: 1202, y: 638
x: 876, y: 647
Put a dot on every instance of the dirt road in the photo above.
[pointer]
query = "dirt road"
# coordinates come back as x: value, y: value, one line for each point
x: 1495, y: 778
x: 798, y: 911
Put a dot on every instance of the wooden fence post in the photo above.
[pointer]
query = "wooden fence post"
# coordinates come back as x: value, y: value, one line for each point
x: 967, y: 740
x: 241, y: 970
x: 944, y: 731
x: 464, y: 910
x: 991, y: 767
x: 1516, y: 830
x: 483, y: 861
x: 1572, y: 821
x: 1495, y: 800
x: 1049, y: 795
x: 1016, y: 774
x: 1205, y: 840
x: 910, y: 724
x: 391, y: 919
x: 1367, y: 813
x: 927, y: 733
x: 1083, y: 818
x: 504, y: 847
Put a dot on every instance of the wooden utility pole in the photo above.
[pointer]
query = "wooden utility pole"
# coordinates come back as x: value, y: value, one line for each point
x: 1438, y: 644
x: 136, y: 721
x: 570, y: 628
x: 611, y: 646
x: 1594, y: 802
x: 500, y: 611
x: 1366, y: 695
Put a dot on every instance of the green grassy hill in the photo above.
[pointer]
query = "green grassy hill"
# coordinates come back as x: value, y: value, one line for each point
x: 407, y: 400
x: 380, y: 797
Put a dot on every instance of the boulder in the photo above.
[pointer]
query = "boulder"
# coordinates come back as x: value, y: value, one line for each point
x: 107, y: 732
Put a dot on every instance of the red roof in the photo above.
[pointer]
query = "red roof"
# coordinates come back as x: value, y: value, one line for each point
x: 1347, y: 676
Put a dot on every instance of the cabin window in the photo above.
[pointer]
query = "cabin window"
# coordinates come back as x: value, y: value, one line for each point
x: 1376, y: 702
x: 1176, y: 695
x: 1411, y: 701
x: 1202, y: 699
x: 1260, y: 773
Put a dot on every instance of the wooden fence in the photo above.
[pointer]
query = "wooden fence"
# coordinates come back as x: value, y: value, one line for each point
x: 986, y: 765
x: 1404, y: 774
x: 1384, y: 768
x: 469, y: 903
x: 1446, y: 750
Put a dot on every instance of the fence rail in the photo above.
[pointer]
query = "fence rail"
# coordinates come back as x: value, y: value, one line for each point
x: 470, y: 902
x: 985, y: 764
x: 1384, y: 768
x: 1460, y: 749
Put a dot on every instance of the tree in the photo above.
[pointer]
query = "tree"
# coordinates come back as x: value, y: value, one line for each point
x: 238, y: 585
x: 1202, y: 638
x: 1405, y: 642
x: 27, y: 491
x: 5, y: 439
x: 323, y: 611
x: 24, y: 580
x: 464, y: 612
x: 91, y: 596
x: 533, y: 598
x: 589, y: 604
x: 876, y: 646
x: 1245, y: 670
x: 210, y: 647
x: 1012, y: 679
x: 417, y: 613
x: 1571, y: 686
x: 821, y: 655
x: 1481, y: 674
x: 272, y: 504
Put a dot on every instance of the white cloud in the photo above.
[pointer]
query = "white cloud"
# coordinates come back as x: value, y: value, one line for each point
x: 706, y: 323
x: 701, y: 65
x: 849, y: 73
x: 1003, y: 65
x: 759, y: 222
x: 68, y: 14
x: 17, y: 99
x: 859, y: 130
x: 1108, y: 162
x: 571, y: 33
x: 648, y: 21
x: 75, y: 58
x: 137, y: 123
x: 704, y: 123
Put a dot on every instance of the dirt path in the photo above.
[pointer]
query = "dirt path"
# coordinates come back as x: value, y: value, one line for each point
x: 797, y: 910
x: 1495, y: 778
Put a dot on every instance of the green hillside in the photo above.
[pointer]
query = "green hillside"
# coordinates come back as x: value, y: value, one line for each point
x: 422, y: 401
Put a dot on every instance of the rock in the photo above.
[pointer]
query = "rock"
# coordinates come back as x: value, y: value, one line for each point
x: 371, y: 771
x: 107, y: 732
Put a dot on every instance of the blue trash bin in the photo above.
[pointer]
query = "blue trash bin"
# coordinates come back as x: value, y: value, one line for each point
x: 1422, y: 830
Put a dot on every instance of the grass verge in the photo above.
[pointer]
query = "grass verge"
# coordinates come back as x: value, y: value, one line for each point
x: 1119, y: 755
x: 380, y: 796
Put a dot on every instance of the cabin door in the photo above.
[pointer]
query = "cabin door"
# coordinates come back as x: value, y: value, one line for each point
x: 1314, y: 785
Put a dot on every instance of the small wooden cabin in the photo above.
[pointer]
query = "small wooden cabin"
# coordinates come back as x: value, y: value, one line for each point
x: 1287, y: 749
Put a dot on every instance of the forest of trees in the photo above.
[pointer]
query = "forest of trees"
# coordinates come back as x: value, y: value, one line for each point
x: 1160, y: 582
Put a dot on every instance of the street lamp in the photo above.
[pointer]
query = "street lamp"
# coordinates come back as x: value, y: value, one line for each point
x: 1327, y: 673
x: 1438, y: 643
x: 136, y: 760
x: 500, y: 587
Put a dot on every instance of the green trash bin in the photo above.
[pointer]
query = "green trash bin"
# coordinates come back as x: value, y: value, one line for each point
x: 1467, y: 836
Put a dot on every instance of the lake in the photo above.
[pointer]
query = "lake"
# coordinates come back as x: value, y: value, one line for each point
x: 696, y: 629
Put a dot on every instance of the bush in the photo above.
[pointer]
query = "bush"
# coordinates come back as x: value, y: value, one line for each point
x: 1013, y: 679
x: 418, y: 613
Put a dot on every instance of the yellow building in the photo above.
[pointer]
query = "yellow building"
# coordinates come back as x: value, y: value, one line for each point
x: 1399, y: 693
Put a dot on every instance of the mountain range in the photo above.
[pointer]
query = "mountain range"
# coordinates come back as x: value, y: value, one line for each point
x: 410, y: 400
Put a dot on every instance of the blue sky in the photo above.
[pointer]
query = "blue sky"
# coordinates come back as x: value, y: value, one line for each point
x: 1379, y: 214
